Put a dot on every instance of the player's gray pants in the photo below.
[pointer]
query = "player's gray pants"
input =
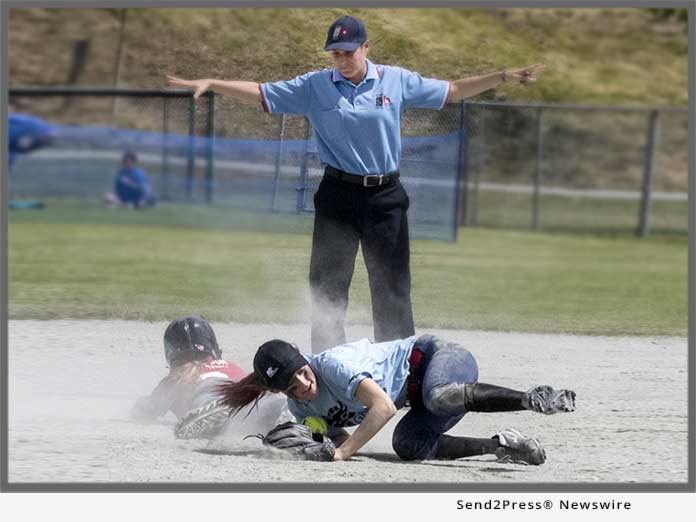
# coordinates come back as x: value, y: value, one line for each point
x: 416, y: 435
x: 448, y: 390
x: 206, y: 391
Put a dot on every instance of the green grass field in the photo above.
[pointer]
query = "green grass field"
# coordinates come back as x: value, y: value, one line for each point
x: 577, y: 214
x: 73, y: 260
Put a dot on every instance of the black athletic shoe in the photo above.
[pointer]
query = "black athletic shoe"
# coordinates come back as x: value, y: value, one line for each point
x: 517, y: 447
x: 544, y: 399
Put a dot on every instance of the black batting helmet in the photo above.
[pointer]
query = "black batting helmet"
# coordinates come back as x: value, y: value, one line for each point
x: 191, y: 336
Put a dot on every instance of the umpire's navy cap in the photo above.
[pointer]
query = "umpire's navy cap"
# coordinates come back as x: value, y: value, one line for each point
x: 345, y: 34
x: 276, y: 362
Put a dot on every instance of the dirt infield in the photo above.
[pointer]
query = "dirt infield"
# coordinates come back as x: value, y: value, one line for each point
x: 72, y: 384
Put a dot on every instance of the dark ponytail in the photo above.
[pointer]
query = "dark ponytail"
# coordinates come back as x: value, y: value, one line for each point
x: 236, y: 395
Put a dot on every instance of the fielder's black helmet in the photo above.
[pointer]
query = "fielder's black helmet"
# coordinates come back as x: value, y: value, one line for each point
x: 190, y: 336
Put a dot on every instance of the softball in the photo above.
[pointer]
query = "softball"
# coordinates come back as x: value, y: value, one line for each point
x: 316, y: 424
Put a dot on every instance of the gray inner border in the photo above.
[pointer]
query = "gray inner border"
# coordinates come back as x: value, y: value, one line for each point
x: 6, y: 486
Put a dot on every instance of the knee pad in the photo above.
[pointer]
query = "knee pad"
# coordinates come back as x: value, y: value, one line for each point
x: 457, y: 399
x: 450, y: 399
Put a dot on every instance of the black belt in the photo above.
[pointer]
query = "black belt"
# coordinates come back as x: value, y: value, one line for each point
x: 368, y: 180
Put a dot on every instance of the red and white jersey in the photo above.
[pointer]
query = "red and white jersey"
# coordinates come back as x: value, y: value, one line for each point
x: 222, y: 369
x: 177, y: 396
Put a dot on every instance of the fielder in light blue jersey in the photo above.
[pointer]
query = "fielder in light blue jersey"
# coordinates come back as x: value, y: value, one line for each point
x: 363, y: 384
x: 339, y: 372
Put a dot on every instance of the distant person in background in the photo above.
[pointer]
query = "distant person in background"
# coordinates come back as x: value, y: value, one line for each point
x: 132, y: 185
x: 27, y: 133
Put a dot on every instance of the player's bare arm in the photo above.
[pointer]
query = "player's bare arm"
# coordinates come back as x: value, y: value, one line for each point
x: 473, y: 85
x: 149, y: 408
x: 380, y: 410
x: 243, y: 91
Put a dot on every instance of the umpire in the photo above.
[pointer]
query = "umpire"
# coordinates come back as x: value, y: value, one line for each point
x: 355, y: 109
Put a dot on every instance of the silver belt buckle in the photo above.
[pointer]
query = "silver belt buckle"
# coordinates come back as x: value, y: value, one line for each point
x: 379, y: 178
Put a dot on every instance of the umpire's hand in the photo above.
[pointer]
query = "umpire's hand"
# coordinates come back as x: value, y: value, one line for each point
x: 523, y: 75
x: 200, y: 86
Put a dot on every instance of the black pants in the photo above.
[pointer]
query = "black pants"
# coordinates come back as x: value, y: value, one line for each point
x: 348, y: 215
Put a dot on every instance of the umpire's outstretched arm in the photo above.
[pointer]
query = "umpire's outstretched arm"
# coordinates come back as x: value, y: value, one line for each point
x: 241, y: 90
x: 473, y: 85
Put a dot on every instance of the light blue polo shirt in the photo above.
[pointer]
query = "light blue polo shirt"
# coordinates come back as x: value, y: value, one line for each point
x: 357, y: 127
x: 340, y: 370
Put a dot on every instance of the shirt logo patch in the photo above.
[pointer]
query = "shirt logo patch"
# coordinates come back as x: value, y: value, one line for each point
x: 339, y: 416
x: 382, y: 101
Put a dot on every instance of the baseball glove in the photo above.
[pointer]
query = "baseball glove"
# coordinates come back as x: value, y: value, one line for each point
x: 299, y: 440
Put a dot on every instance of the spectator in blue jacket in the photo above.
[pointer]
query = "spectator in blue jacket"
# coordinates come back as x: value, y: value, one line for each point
x: 132, y: 185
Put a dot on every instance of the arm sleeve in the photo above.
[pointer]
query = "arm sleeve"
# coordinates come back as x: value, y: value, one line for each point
x: 142, y: 178
x: 289, y: 97
x: 423, y: 93
x: 158, y: 403
x: 342, y: 379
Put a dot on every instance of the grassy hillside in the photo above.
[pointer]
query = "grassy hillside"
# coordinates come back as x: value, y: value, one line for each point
x: 593, y: 55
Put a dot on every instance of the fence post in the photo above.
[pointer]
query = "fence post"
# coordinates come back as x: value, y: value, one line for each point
x: 480, y: 144
x: 210, y: 149
x: 461, y: 192
x: 118, y: 65
x: 538, y: 172
x: 648, y: 171
x: 191, y: 150
x: 301, y: 189
x: 279, y: 155
x: 165, y: 149
x: 79, y: 59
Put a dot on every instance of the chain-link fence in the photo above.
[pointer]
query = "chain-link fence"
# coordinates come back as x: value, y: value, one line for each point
x: 93, y: 128
x: 475, y: 164
x: 286, y: 162
x: 216, y: 151
x: 577, y: 168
